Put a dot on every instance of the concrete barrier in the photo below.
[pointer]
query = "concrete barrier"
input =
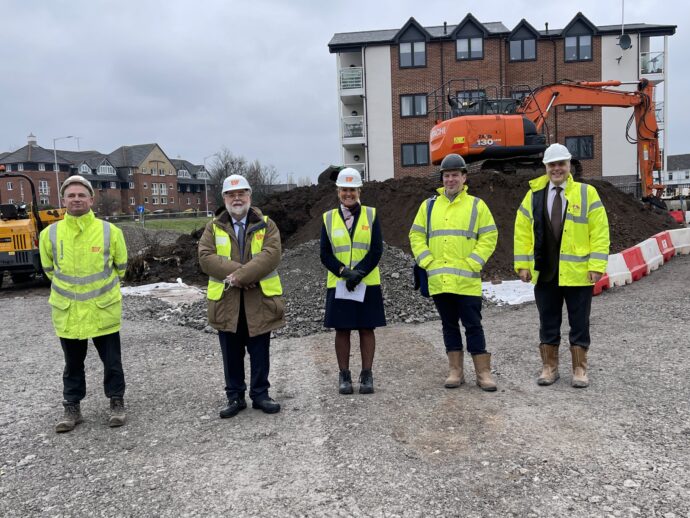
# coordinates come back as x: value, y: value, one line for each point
x: 651, y: 253
x: 617, y: 271
x: 666, y: 247
x: 636, y: 262
x: 680, y: 237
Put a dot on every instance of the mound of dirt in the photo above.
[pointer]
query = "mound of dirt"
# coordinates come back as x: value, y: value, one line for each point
x: 298, y: 214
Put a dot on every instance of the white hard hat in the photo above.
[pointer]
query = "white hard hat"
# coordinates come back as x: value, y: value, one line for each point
x: 235, y: 182
x: 556, y: 153
x: 349, y: 177
x: 76, y: 179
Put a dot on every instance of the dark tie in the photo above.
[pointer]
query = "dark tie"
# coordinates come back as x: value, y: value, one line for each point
x: 240, y: 238
x: 557, y: 212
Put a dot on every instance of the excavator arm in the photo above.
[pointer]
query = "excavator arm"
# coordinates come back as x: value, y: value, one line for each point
x: 536, y: 107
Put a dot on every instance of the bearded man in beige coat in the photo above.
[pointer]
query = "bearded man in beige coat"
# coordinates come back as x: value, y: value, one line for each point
x: 240, y: 251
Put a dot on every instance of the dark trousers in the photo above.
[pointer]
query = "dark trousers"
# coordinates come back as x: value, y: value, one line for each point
x: 549, y: 297
x: 232, y: 345
x: 74, y: 378
x: 461, y: 308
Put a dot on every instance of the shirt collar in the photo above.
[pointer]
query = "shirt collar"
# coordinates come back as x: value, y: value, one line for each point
x: 243, y: 220
x: 553, y: 186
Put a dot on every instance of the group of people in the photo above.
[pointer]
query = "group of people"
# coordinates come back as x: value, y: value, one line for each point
x: 561, y: 245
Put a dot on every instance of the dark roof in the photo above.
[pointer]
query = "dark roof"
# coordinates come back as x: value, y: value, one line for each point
x: 92, y: 158
x: 344, y: 40
x: 678, y: 162
x: 4, y: 154
x: 32, y: 154
x: 131, y: 156
x: 180, y: 164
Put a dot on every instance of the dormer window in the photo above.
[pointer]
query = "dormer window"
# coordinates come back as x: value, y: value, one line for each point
x: 523, y: 50
x: 578, y: 48
x: 469, y: 48
x: 85, y: 169
x: 412, y: 54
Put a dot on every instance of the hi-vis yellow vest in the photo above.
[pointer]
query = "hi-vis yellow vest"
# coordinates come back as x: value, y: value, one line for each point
x: 84, y: 258
x: 351, y: 251
x: 270, y: 285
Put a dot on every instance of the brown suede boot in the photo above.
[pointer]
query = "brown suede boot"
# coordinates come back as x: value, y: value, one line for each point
x: 482, y: 368
x: 579, y: 355
x: 549, y: 357
x: 70, y: 419
x: 456, y: 376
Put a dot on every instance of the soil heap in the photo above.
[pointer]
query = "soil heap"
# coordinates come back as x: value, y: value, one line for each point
x: 298, y: 214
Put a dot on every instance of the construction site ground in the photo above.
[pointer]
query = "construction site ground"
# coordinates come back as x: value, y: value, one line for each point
x: 618, y: 448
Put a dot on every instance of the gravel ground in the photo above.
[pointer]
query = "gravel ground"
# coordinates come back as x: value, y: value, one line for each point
x: 618, y: 448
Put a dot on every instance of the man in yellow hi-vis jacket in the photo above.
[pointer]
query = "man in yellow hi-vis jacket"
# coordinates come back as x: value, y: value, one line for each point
x: 85, y: 257
x: 240, y: 251
x: 562, y: 246
x: 459, y: 241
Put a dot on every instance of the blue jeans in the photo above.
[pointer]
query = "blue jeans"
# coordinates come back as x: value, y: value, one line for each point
x: 467, y: 309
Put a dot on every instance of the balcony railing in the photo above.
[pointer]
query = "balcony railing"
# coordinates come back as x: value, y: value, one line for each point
x: 651, y: 62
x: 353, y: 127
x: 659, y: 112
x: 351, y: 78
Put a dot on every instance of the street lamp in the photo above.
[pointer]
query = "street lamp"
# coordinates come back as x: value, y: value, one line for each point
x: 205, y: 177
x: 57, y: 169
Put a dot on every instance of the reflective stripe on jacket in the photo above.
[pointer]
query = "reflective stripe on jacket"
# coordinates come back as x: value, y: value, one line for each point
x: 270, y: 285
x: 585, y: 238
x: 85, y: 258
x: 351, y: 251
x: 462, y: 237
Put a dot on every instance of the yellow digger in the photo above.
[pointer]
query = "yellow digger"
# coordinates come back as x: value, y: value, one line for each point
x: 20, y: 225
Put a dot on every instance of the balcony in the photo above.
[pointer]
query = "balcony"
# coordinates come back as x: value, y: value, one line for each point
x: 353, y: 131
x: 659, y: 112
x: 652, y: 64
x: 351, y: 83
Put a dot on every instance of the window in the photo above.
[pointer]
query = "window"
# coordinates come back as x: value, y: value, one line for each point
x: 415, y: 154
x: 670, y: 175
x: 164, y: 190
x: 172, y: 200
x: 519, y: 93
x: 20, y: 167
x: 43, y: 187
x: 131, y: 200
x: 10, y: 200
x: 189, y: 201
x: 469, y: 48
x: 687, y: 175
x: 523, y: 50
x: 577, y: 108
x: 155, y: 201
x: 56, y: 168
x: 146, y: 200
x: 106, y: 169
x: 413, y: 105
x: 154, y: 188
x: 143, y: 170
x: 131, y: 185
x: 43, y: 200
x: 164, y: 200
x: 8, y: 168
x: 578, y: 48
x: 580, y: 147
x: 41, y: 167
x: 146, y: 185
x: 467, y: 100
x: 85, y: 169
x: 170, y: 186
x: 413, y: 54
x: 113, y: 185
x: 198, y: 201
x: 9, y: 186
x: 154, y: 172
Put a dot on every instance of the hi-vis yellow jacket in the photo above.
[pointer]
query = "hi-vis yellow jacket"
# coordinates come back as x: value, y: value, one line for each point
x: 462, y: 237
x: 85, y: 258
x: 585, y: 238
x: 351, y: 251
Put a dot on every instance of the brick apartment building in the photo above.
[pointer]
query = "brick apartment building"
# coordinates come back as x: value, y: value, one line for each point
x: 392, y: 81
x: 130, y: 176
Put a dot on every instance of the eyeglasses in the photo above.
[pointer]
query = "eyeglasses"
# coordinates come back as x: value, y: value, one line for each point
x: 235, y: 194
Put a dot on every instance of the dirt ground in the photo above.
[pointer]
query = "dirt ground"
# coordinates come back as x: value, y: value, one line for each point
x: 618, y: 448
x: 298, y: 215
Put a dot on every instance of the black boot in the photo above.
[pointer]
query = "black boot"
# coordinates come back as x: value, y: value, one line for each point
x: 117, y: 412
x: 71, y: 418
x: 233, y: 408
x: 345, y: 382
x: 366, y: 382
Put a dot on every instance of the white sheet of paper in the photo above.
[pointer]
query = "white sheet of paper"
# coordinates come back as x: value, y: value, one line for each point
x: 357, y: 294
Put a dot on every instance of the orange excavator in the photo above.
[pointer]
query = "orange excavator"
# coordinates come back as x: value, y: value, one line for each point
x: 505, y: 134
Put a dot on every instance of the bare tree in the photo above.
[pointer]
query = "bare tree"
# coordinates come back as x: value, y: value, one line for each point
x: 259, y: 176
x: 107, y: 204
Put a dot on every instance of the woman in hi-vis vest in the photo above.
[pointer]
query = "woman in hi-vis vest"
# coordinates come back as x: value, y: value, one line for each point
x: 351, y: 247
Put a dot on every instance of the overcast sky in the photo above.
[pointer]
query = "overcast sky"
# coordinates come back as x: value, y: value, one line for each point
x: 253, y: 76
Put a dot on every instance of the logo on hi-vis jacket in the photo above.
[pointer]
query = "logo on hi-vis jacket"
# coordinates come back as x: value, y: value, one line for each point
x: 95, y: 249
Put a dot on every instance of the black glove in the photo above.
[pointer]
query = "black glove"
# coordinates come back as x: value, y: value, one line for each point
x: 354, y: 280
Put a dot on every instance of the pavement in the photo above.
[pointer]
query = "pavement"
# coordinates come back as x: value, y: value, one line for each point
x: 618, y: 448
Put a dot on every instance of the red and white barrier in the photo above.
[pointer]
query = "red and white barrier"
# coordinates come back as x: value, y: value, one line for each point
x: 680, y: 237
x: 663, y: 239
x: 617, y: 271
x: 635, y: 261
x: 651, y: 253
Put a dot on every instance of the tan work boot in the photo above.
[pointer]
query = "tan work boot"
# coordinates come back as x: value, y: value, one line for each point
x: 549, y: 357
x: 482, y: 368
x: 579, y: 355
x: 70, y: 419
x: 117, y: 412
x: 456, y: 376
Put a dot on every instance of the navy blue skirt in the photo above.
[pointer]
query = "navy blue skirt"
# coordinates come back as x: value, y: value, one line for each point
x: 347, y: 314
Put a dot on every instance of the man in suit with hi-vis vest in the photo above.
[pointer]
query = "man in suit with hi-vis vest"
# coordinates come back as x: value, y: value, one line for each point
x: 240, y: 251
